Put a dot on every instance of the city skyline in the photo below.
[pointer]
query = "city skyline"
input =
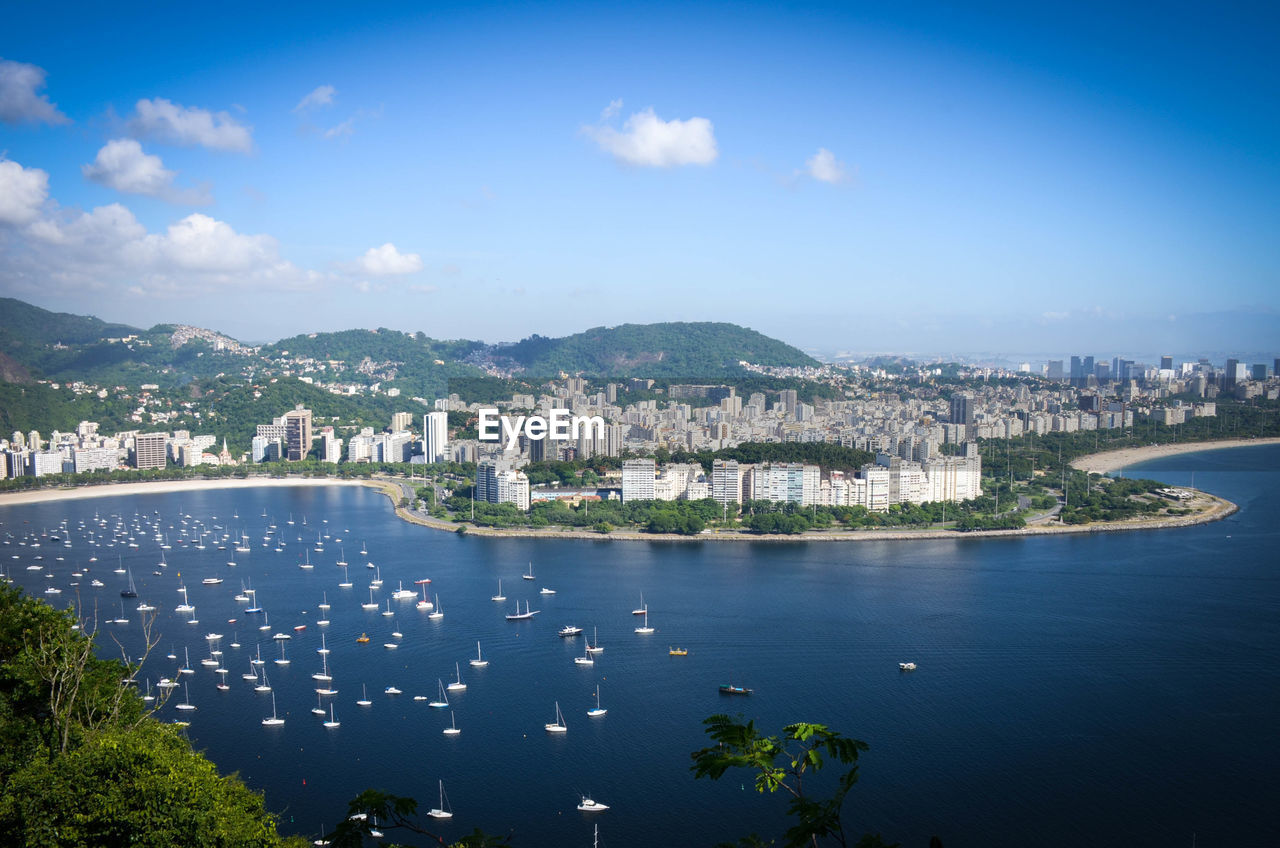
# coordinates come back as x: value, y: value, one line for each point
x: 881, y: 180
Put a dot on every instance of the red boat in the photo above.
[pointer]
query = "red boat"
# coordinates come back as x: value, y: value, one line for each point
x: 423, y: 581
x: 299, y: 628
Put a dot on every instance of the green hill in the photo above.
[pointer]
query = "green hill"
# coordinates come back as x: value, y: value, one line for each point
x: 674, y: 349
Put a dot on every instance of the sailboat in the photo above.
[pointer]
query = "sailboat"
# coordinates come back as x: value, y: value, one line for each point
x: 263, y: 685
x: 443, y: 811
x: 318, y: 709
x: 645, y: 628
x: 442, y: 699
x: 332, y: 722
x: 594, y: 647
x: 275, y: 720
x: 521, y: 616
x: 346, y: 581
x: 284, y: 660
x: 452, y: 729
x: 459, y: 686
x: 186, y: 699
x: 132, y: 591
x: 598, y: 711
x: 528, y: 576
x: 640, y: 610
x: 479, y: 661
x: 499, y: 596
x: 424, y: 604
x: 372, y: 605
x: 437, y: 613
x: 364, y: 697
x: 557, y: 726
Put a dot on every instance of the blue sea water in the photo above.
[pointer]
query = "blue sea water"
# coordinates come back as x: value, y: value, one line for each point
x: 1106, y: 689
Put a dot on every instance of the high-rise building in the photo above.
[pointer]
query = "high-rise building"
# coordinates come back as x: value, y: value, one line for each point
x: 1259, y: 372
x: 726, y: 482
x: 435, y: 436
x: 639, y: 477
x: 1054, y: 371
x: 149, y: 450
x: 297, y: 434
x: 401, y: 421
x: 1166, y: 363
x: 787, y: 401
x: 496, y: 483
x: 962, y: 410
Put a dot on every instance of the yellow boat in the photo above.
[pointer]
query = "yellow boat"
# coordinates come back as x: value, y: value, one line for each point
x: 678, y: 652
x: 364, y: 637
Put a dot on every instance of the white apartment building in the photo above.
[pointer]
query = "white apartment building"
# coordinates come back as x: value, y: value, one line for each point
x: 435, y: 437
x: 639, y: 477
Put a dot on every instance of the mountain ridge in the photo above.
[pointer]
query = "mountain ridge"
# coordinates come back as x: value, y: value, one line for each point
x: 59, y: 345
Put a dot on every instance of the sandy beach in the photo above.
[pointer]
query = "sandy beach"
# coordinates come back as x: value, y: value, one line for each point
x: 1108, y: 461
x: 163, y: 487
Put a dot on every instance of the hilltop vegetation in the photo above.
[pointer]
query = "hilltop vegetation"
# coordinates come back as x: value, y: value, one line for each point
x: 675, y: 350
x: 83, y: 763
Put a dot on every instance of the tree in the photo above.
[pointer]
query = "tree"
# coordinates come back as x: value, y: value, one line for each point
x: 781, y: 763
x: 395, y: 812
x: 81, y: 761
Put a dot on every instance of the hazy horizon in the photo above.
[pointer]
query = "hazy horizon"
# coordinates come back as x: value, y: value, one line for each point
x: 880, y: 178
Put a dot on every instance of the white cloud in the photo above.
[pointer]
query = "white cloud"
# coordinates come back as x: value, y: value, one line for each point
x: 824, y: 167
x: 647, y: 140
x: 121, y: 164
x: 386, y: 260
x: 70, y: 252
x: 187, y: 125
x: 23, y: 192
x: 611, y: 111
x: 321, y: 95
x: 19, y: 102
x: 345, y: 128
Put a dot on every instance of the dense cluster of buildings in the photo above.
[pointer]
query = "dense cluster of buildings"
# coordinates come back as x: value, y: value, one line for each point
x: 889, y: 480
x: 85, y: 450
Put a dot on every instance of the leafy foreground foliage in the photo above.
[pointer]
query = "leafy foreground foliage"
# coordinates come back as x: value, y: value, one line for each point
x: 82, y: 764
x: 374, y: 809
x: 781, y: 763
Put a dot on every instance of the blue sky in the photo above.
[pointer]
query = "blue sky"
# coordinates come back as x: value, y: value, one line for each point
x: 862, y: 177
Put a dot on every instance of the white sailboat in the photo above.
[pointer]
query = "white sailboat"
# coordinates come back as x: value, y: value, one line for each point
x: 364, y: 697
x: 444, y: 811
x: 528, y: 576
x: 593, y: 647
x: 499, y: 596
x: 332, y: 722
x: 186, y: 699
x: 640, y: 610
x: 598, y: 711
x: 521, y: 616
x: 479, y: 661
x: 645, y: 628
x: 457, y: 686
x: 557, y: 726
x: 275, y: 720
x: 442, y: 700
x: 437, y: 613
x: 452, y: 729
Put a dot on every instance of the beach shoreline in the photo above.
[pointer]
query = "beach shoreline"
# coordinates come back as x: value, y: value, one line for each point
x: 1114, y: 460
